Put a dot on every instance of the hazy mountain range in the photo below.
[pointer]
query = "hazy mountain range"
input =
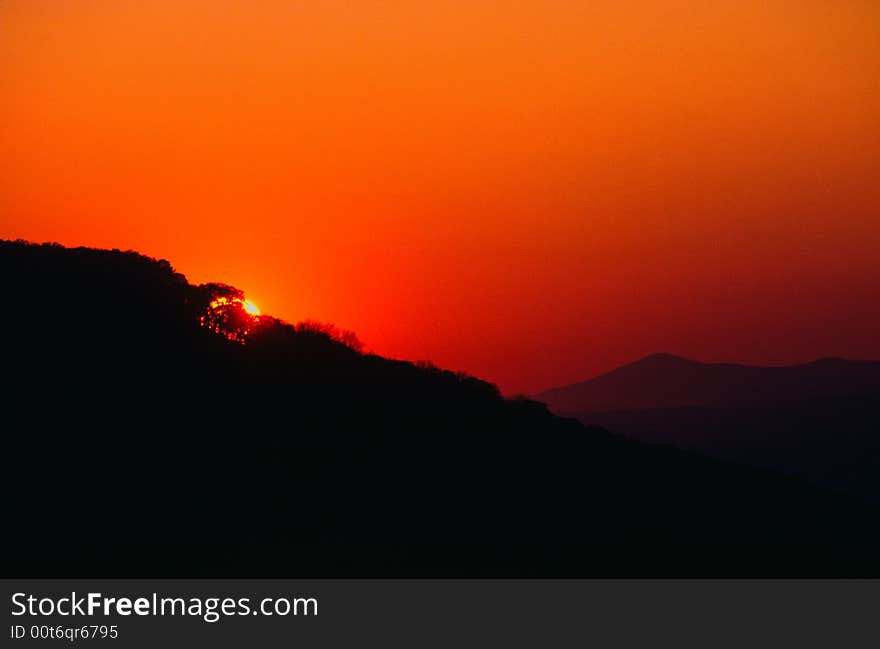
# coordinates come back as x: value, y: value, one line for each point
x: 819, y: 420
x: 667, y: 381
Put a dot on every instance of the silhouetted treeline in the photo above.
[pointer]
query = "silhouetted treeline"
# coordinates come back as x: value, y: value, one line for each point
x: 145, y: 436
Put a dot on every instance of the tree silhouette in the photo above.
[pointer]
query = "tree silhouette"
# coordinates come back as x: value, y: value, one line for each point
x: 223, y: 312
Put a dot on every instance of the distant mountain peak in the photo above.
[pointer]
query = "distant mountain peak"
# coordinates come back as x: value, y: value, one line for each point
x: 665, y: 380
x: 664, y: 357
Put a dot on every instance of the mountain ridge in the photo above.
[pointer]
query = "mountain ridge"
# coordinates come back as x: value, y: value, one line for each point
x: 818, y: 420
x: 665, y: 380
x: 168, y: 433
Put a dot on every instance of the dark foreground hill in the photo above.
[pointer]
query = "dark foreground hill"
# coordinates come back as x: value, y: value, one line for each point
x: 819, y: 421
x: 150, y: 427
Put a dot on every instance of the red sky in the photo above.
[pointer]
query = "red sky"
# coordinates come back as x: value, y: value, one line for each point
x: 532, y: 191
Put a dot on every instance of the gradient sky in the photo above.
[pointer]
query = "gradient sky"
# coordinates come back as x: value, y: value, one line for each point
x: 532, y: 191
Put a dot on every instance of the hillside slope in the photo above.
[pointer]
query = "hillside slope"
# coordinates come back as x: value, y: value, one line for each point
x: 148, y: 433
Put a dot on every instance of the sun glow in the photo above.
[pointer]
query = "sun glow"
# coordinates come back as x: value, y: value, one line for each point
x: 233, y: 317
x: 250, y: 307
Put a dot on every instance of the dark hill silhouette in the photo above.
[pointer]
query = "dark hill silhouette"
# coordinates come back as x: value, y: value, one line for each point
x: 819, y: 421
x: 147, y: 432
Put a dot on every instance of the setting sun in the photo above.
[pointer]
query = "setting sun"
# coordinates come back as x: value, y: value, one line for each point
x: 251, y: 308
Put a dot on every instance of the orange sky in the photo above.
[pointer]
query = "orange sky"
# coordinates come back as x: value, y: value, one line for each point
x: 532, y: 191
